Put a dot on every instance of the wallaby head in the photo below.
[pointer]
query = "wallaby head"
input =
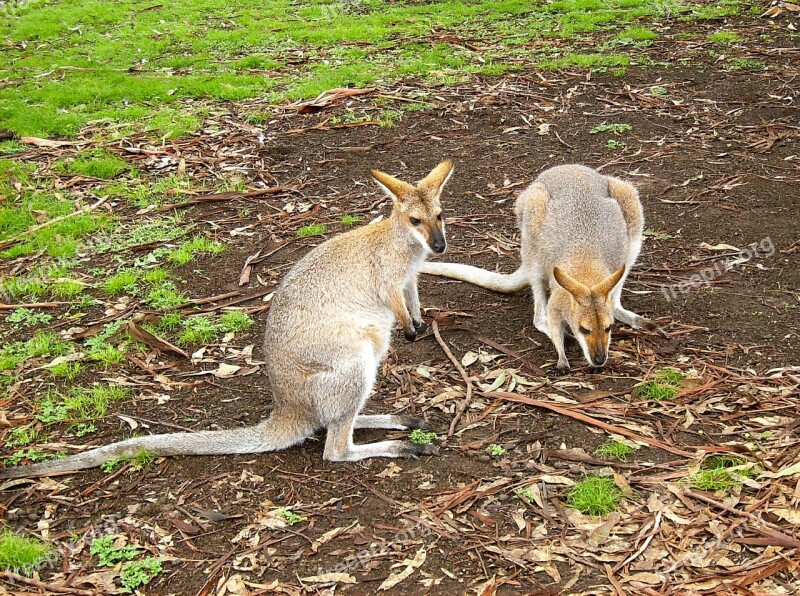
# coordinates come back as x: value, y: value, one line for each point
x: 591, y: 315
x: 418, y: 208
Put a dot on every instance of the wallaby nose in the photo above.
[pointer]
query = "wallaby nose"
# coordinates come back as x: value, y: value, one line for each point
x: 439, y: 244
x: 599, y: 358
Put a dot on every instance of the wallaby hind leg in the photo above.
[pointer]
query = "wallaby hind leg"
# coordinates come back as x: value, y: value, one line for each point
x: 390, y: 421
x: 540, y: 304
x: 339, y: 445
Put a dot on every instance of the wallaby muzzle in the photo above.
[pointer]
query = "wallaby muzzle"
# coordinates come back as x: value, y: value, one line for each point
x: 599, y: 357
x: 438, y: 243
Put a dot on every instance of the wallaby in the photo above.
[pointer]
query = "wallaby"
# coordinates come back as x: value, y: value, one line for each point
x: 581, y: 232
x: 328, y: 328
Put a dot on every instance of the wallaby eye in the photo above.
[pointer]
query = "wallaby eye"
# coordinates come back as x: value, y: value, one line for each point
x: 439, y: 217
x: 584, y: 330
x: 414, y: 221
x: 608, y: 329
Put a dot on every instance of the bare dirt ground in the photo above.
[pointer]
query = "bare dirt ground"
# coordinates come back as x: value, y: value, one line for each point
x: 715, y: 157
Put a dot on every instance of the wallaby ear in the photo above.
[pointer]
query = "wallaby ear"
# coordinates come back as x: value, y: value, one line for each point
x: 438, y: 177
x: 604, y: 287
x: 569, y: 283
x: 621, y: 190
x: 396, y: 189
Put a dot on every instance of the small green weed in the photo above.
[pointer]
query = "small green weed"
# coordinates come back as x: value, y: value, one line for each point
x: 51, y: 410
x: 12, y: 147
x: 107, y: 355
x: 82, y: 403
x: 496, y: 450
x: 109, y: 553
x: 290, y: 517
x: 139, y: 573
x: 612, y: 449
x: 615, y: 144
x: 22, y: 555
x: 29, y: 317
x: 235, y: 320
x: 22, y: 436
x: 33, y: 454
x: 142, y: 460
x: 658, y: 90
x: 525, y: 494
x: 164, y: 296
x: 715, y: 475
x: 595, y: 495
x: 66, y: 288
x: 744, y: 64
x: 311, y: 230
x: 420, y: 437
x: 615, y: 128
x: 66, y: 370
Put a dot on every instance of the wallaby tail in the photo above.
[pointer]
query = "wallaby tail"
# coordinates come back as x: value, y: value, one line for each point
x: 499, y: 282
x: 272, y: 434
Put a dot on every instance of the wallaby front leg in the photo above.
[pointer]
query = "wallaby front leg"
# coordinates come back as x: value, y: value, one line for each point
x: 557, y: 335
x: 412, y: 299
x: 397, y: 302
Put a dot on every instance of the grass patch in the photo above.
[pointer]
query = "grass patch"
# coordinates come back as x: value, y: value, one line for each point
x: 198, y: 331
x: 122, y: 282
x: 715, y: 473
x: 88, y: 404
x: 187, y: 251
x: 22, y: 555
x: 311, y: 230
x: 496, y: 450
x: 164, y: 295
x: 66, y: 288
x: 595, y: 495
x: 66, y: 370
x: 95, y: 164
x: 665, y: 385
x: 724, y: 37
x: 28, y: 317
x: 290, y: 517
x: 235, y: 320
x: 22, y: 436
x: 613, y: 449
x: 351, y: 220
x: 744, y: 64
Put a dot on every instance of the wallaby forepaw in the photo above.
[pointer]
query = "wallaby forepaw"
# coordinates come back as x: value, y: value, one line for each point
x: 414, y: 450
x: 651, y: 326
x: 412, y: 422
x: 420, y: 327
x: 558, y: 370
x: 410, y: 334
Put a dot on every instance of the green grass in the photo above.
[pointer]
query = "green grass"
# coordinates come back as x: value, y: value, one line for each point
x: 106, y: 356
x: 724, y: 37
x: 715, y: 475
x: 665, y: 385
x: 115, y: 63
x: 351, y: 220
x: 66, y: 370
x: 164, y: 295
x: 94, y: 164
x: 89, y: 403
x: 290, y: 517
x: 22, y: 436
x: 612, y: 449
x: 171, y: 321
x: 122, y: 282
x: 311, y: 230
x: 235, y: 320
x: 743, y: 64
x: 66, y: 288
x: 198, y: 331
x: 187, y: 251
x: 420, y: 437
x: 22, y: 555
x: 139, y: 573
x: 595, y: 495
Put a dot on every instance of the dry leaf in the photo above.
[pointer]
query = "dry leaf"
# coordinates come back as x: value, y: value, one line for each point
x: 391, y: 470
x: 411, y: 565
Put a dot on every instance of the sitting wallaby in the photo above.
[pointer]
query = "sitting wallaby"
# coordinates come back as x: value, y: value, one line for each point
x: 328, y: 328
x: 581, y: 233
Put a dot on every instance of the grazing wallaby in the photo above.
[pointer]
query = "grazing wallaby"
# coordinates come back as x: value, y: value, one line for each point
x: 581, y: 234
x: 328, y: 328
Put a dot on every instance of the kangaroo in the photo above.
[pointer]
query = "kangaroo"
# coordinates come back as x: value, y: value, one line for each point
x: 581, y: 233
x: 329, y: 326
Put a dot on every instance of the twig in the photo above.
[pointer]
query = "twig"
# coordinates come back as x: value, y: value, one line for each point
x: 47, y: 588
x: 32, y: 305
x: 653, y: 532
x: 594, y: 422
x: 34, y: 229
x: 465, y: 404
